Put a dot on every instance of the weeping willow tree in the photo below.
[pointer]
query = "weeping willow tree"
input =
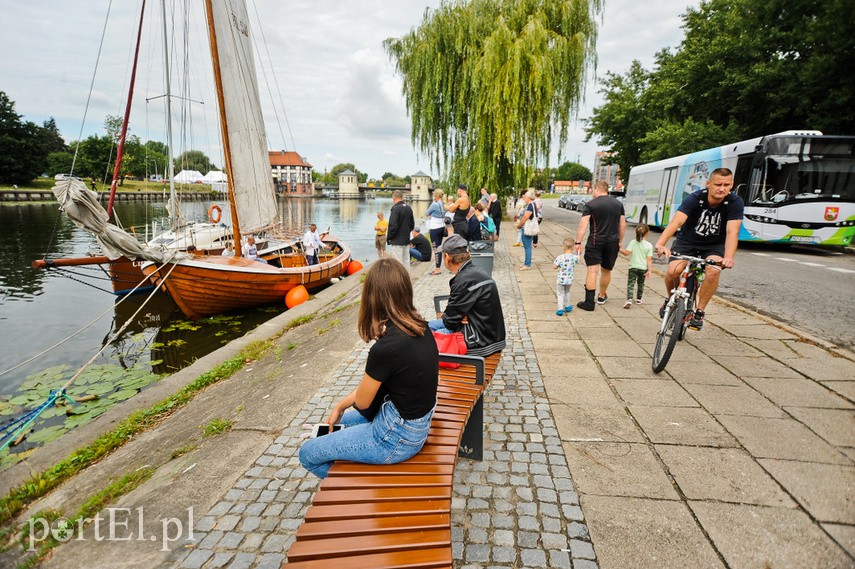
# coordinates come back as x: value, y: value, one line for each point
x: 488, y: 83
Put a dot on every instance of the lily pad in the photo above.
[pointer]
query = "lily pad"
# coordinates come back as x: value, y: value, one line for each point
x: 47, y: 434
x: 122, y: 395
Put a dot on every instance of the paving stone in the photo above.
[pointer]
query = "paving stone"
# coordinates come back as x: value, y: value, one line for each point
x: 197, y: 558
x: 230, y: 541
x: 271, y: 561
x: 210, y: 540
x: 504, y: 554
x: 559, y: 560
x: 242, y: 561
x: 582, y: 549
x: 533, y: 558
x: 476, y: 552
x: 219, y: 560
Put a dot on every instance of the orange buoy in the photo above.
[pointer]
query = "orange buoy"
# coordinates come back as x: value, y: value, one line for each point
x: 296, y: 296
x: 215, y: 213
x: 353, y: 267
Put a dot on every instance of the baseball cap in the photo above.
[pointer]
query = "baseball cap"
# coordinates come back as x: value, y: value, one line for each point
x: 454, y: 244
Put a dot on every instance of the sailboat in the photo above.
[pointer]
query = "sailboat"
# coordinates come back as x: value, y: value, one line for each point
x: 202, y: 286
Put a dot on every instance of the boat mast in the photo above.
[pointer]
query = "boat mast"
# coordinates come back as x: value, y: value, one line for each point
x: 218, y: 81
x: 174, y: 217
x: 120, y: 147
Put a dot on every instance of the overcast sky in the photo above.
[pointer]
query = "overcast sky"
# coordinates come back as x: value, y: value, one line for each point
x: 338, y: 88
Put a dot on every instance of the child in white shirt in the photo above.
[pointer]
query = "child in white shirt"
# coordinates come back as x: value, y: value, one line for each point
x: 565, y: 263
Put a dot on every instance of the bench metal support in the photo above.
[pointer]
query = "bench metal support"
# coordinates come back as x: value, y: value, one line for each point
x: 472, y: 442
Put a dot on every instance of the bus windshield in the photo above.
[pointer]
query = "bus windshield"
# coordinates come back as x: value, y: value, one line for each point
x: 805, y: 168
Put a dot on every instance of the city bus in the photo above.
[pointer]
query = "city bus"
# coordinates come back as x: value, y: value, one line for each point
x: 798, y: 186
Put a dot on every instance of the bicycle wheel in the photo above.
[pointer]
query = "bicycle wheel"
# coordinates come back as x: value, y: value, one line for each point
x: 667, y: 338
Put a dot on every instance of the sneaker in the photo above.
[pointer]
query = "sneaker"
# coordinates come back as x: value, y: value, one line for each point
x: 517, y: 244
x: 559, y: 313
x: 662, y: 309
x: 697, y: 321
x: 628, y: 304
x: 639, y: 301
x: 568, y: 308
x: 602, y: 299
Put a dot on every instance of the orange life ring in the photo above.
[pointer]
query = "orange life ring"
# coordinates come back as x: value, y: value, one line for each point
x: 215, y: 208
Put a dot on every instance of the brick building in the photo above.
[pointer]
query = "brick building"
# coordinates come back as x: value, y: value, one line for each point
x: 291, y: 173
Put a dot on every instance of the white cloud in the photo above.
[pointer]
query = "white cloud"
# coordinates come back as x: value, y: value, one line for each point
x: 339, y: 90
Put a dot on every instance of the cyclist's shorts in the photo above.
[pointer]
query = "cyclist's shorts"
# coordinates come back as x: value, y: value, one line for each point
x: 694, y: 251
x: 604, y: 255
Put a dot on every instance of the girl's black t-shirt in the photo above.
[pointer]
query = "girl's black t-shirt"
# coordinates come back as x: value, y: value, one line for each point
x: 408, y: 369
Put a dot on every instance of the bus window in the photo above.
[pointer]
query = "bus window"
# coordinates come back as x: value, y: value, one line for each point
x: 742, y: 175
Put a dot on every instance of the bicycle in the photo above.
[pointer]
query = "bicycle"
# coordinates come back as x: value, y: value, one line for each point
x: 679, y: 309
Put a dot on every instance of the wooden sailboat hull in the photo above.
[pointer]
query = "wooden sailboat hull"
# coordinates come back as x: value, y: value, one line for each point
x: 212, y: 285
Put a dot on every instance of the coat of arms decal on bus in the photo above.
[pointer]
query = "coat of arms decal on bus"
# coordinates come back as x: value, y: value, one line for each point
x: 831, y: 213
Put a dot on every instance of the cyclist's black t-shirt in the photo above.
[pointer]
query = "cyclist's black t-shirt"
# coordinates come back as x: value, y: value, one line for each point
x: 408, y: 369
x: 605, y: 212
x: 707, y: 225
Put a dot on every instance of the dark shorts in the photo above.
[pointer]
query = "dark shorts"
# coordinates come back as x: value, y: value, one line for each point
x: 604, y: 255
x: 704, y: 251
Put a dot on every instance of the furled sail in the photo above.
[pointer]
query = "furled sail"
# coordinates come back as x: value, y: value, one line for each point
x: 81, y: 206
x: 254, y: 196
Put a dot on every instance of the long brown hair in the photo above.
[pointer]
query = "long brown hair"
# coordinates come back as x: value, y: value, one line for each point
x: 387, y: 298
x: 641, y: 231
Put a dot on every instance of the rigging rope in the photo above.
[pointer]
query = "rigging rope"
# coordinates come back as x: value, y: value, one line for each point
x: 111, y: 309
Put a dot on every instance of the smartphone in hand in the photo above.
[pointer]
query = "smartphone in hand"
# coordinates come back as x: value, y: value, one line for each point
x: 322, y: 429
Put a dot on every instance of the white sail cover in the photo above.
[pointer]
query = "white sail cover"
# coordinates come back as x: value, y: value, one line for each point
x: 81, y: 206
x: 254, y: 196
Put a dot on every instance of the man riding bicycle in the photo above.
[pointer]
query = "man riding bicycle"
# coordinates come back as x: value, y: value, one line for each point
x: 708, y: 222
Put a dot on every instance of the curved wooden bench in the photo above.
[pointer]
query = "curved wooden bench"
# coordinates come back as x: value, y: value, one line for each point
x: 399, y: 515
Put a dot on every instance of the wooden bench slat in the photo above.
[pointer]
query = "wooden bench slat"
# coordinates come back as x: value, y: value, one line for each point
x: 364, y: 495
x: 435, y: 558
x: 384, y: 481
x: 377, y: 509
x: 363, y: 544
x: 352, y: 468
x: 370, y: 526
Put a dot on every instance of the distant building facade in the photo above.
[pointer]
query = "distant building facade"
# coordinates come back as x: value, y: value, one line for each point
x: 420, y: 186
x: 571, y: 187
x: 608, y: 172
x: 348, y: 185
x: 291, y: 173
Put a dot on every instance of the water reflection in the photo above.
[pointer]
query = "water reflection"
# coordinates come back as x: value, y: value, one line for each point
x: 40, y: 308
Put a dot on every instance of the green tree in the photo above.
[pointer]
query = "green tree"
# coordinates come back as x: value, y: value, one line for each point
x: 24, y: 145
x: 724, y: 83
x: 194, y: 160
x: 361, y: 177
x: 487, y: 81
x: 59, y: 163
x: 573, y: 171
x: 622, y: 121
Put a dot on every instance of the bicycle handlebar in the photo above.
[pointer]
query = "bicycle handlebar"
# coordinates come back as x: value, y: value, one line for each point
x: 679, y: 257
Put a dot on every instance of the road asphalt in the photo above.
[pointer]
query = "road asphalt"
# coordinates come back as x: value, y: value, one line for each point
x: 740, y: 454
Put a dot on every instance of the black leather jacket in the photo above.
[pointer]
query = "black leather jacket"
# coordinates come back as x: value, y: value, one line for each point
x: 475, y: 295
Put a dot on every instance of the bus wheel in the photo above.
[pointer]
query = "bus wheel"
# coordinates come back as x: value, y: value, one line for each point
x: 642, y: 219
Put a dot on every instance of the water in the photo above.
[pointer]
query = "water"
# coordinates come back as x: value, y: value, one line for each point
x: 40, y: 308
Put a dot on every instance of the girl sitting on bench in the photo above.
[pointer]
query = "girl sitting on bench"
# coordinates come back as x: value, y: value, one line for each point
x: 394, y: 402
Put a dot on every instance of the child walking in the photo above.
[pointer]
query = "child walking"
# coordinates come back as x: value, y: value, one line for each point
x: 565, y: 263
x: 640, y: 253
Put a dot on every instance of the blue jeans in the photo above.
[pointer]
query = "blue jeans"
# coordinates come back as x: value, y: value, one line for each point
x: 414, y: 253
x: 438, y: 326
x: 526, y: 241
x: 388, y: 439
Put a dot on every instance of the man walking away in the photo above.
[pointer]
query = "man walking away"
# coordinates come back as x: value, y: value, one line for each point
x: 605, y: 217
x: 401, y: 224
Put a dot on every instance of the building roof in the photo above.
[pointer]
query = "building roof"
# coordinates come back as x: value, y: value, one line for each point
x: 347, y: 173
x: 287, y: 158
x: 420, y: 174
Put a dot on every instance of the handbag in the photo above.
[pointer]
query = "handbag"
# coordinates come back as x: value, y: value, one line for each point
x: 453, y: 344
x: 531, y: 227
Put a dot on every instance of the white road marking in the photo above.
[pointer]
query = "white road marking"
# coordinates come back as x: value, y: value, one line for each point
x: 761, y: 254
x: 786, y: 259
x: 839, y: 270
x: 812, y: 264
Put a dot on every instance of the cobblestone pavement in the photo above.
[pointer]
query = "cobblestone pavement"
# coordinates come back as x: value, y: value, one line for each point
x: 516, y: 508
